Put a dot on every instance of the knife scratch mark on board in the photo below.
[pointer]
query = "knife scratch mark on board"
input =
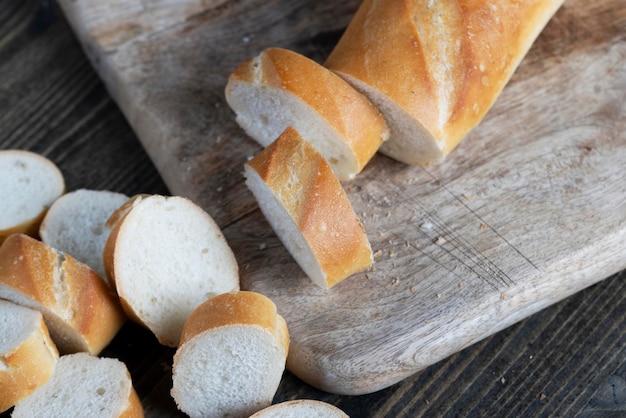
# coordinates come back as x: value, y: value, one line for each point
x: 480, y: 218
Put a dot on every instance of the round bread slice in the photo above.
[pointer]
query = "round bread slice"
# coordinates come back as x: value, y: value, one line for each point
x: 84, y: 386
x: 27, y: 354
x: 29, y: 183
x: 75, y: 224
x: 301, y: 408
x: 231, y: 358
x: 280, y: 88
x: 81, y: 311
x: 166, y: 256
x: 309, y: 210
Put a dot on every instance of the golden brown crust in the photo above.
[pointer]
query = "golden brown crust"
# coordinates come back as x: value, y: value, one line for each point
x: 135, y: 409
x: 86, y: 302
x: 237, y: 308
x: 349, y: 112
x: 444, y: 63
x: 307, y: 188
x: 27, y: 367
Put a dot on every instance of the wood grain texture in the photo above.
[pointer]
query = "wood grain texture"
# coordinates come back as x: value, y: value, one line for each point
x: 567, y: 360
x: 466, y: 248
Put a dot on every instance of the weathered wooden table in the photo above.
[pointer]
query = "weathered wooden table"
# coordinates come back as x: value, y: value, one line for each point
x: 566, y: 360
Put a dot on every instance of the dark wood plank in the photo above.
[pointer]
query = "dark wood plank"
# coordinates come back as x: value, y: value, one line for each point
x: 567, y: 360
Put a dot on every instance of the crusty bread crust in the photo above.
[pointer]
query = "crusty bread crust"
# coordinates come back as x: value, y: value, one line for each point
x: 306, y: 187
x: 352, y: 116
x: 238, y: 308
x: 36, y: 275
x: 440, y: 64
x: 27, y: 367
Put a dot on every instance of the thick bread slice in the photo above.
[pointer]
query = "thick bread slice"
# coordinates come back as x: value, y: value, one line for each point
x: 231, y: 358
x: 166, y: 256
x: 80, y: 309
x: 75, y: 224
x: 438, y: 68
x: 29, y: 183
x: 301, y: 408
x: 27, y: 354
x: 281, y: 88
x: 84, y: 386
x: 309, y: 210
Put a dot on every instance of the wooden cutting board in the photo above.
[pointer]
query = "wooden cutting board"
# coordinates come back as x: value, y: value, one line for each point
x: 528, y: 210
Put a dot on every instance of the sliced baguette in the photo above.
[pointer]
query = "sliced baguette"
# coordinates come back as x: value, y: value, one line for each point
x: 280, y: 88
x: 81, y: 311
x: 436, y: 71
x: 27, y: 354
x: 165, y: 256
x: 75, y: 224
x: 231, y: 358
x: 308, y: 209
x: 301, y: 408
x: 84, y: 386
x: 29, y: 183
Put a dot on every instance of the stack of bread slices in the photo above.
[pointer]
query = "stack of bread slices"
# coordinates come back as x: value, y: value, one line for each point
x: 74, y: 271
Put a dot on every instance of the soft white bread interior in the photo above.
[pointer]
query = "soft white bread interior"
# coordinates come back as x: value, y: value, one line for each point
x: 75, y: 224
x: 27, y: 354
x: 81, y: 311
x: 29, y: 183
x: 84, y: 386
x: 436, y: 71
x: 308, y: 209
x: 280, y: 88
x: 166, y: 256
x: 301, y: 408
x: 231, y: 358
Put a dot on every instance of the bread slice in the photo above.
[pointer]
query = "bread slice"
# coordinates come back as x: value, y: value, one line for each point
x: 84, y: 386
x: 80, y: 309
x: 309, y: 210
x: 231, y: 358
x: 29, y: 183
x: 75, y: 224
x: 27, y: 354
x: 436, y: 71
x: 280, y: 88
x: 166, y: 256
x: 301, y: 408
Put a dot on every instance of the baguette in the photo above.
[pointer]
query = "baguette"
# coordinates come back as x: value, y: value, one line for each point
x: 281, y: 88
x: 165, y: 256
x: 27, y: 354
x: 438, y: 68
x: 29, y: 183
x: 75, y: 225
x: 81, y: 311
x: 231, y: 357
x: 308, y: 209
x: 301, y: 408
x: 84, y: 386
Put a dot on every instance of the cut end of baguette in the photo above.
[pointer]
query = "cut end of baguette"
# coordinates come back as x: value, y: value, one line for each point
x: 166, y: 256
x: 29, y: 183
x: 27, y: 354
x: 80, y: 309
x: 281, y: 88
x: 231, y: 358
x: 301, y: 408
x: 84, y: 385
x: 308, y: 209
